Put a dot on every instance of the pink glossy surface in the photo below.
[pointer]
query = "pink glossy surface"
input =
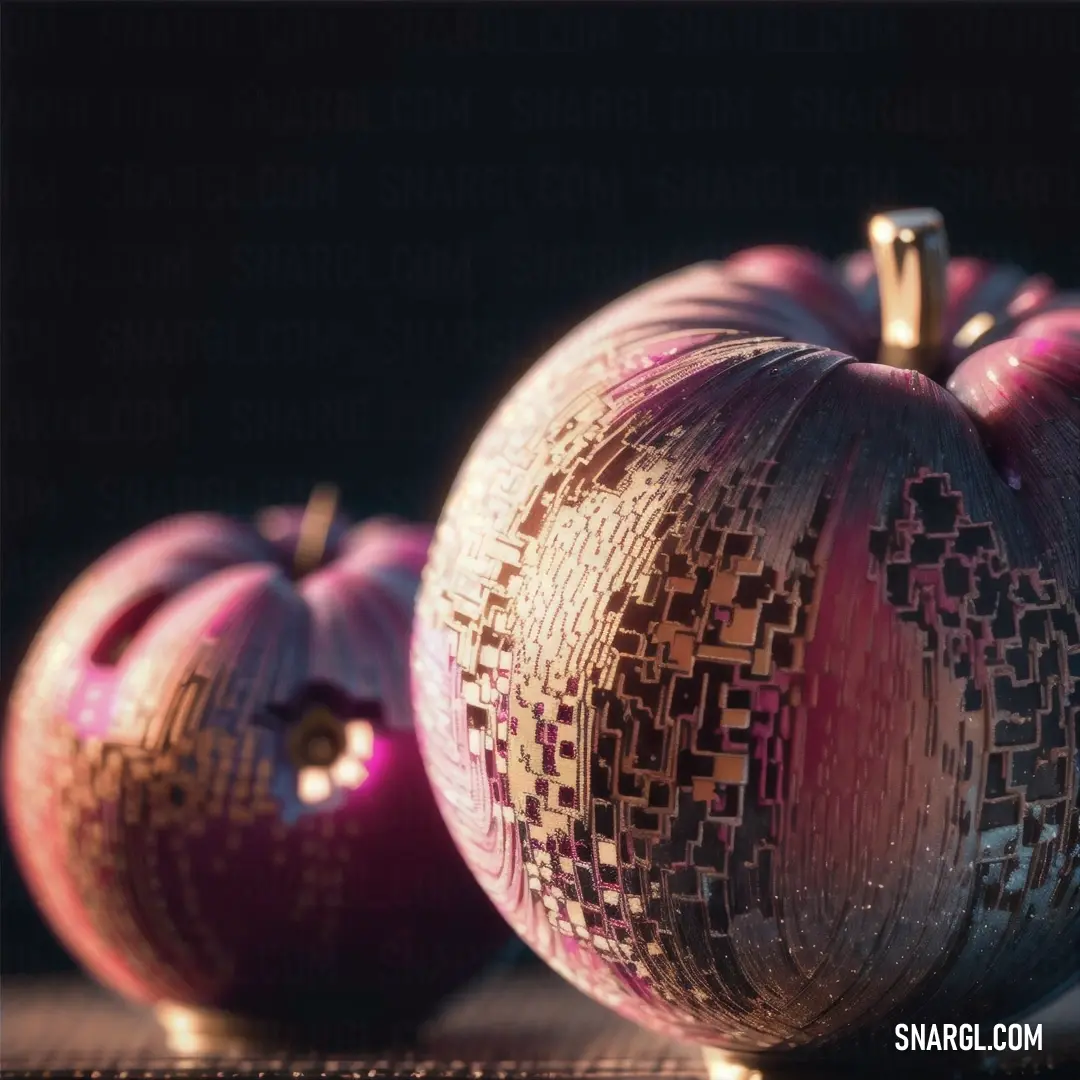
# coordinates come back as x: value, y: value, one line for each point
x: 155, y: 805
x: 1024, y: 395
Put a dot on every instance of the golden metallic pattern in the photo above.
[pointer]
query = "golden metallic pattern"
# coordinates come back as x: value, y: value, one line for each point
x: 751, y: 744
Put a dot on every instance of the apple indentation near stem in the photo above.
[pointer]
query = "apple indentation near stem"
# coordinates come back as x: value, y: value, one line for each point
x: 122, y: 631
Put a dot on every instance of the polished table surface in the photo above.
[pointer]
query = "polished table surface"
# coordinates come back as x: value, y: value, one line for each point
x: 516, y: 1025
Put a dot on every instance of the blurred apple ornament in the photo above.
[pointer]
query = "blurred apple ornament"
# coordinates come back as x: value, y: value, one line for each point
x: 213, y: 784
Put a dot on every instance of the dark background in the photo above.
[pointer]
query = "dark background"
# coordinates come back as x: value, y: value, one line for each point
x: 249, y: 248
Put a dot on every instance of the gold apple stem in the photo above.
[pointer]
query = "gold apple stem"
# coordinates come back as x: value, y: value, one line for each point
x: 911, y: 254
x: 315, y: 528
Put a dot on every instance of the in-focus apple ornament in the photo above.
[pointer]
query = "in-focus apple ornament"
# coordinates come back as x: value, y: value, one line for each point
x: 212, y: 778
x: 746, y: 667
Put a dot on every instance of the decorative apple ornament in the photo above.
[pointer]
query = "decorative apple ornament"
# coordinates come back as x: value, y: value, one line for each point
x: 212, y: 778
x: 747, y: 670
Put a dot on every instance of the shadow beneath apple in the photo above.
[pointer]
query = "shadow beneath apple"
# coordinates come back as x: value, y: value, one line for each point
x: 389, y: 1014
x: 317, y: 1026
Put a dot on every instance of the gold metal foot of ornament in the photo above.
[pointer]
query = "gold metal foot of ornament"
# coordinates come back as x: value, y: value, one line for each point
x: 722, y: 1066
x: 211, y: 1033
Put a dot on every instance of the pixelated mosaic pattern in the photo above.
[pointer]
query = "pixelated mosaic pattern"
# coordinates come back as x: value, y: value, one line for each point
x: 749, y: 689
